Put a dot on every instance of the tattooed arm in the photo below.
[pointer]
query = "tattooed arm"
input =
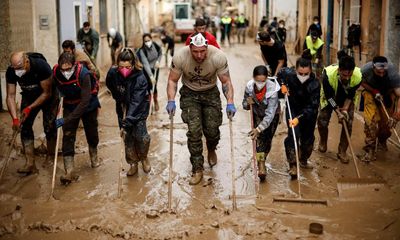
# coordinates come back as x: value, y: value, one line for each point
x: 227, y: 87
x: 172, y: 85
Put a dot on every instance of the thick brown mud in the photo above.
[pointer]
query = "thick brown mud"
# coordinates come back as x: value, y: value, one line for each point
x: 90, y: 208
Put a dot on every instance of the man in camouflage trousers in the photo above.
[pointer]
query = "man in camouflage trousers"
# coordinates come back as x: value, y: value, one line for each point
x: 199, y: 65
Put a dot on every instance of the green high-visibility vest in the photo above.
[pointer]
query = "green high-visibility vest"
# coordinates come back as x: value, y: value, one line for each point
x: 313, y: 46
x: 226, y: 20
x: 332, y: 72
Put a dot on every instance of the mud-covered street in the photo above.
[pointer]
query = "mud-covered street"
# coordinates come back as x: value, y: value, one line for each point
x: 90, y: 208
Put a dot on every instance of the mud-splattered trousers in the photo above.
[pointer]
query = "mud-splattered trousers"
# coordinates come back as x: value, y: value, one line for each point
x: 90, y: 125
x: 376, y: 125
x: 201, y: 111
x: 305, y: 140
x: 264, y: 140
x: 323, y: 123
x: 49, y: 112
x: 137, y: 142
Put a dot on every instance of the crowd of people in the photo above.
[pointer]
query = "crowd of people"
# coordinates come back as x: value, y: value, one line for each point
x: 309, y: 91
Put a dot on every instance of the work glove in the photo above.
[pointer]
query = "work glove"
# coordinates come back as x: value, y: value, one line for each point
x: 378, y: 97
x: 284, y: 89
x: 171, y: 107
x: 59, y: 122
x: 254, y: 133
x: 250, y: 100
x: 294, y: 122
x: 230, y: 110
x: 343, y: 115
x: 392, y: 122
x: 25, y: 113
x: 15, y: 124
x: 157, y: 64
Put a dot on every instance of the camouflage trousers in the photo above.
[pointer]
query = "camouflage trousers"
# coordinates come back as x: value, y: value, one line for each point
x: 201, y: 111
x: 375, y: 122
x: 323, y: 122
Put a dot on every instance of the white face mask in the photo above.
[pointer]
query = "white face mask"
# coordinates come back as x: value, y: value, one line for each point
x: 303, y: 78
x: 20, y: 72
x: 68, y: 74
x: 260, y: 85
x: 316, y: 22
x: 85, y: 31
x: 148, y: 44
x: 281, y: 25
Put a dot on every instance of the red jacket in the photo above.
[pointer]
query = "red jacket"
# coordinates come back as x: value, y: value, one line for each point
x: 210, y: 38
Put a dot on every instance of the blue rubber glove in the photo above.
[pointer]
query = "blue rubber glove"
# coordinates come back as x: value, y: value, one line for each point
x: 59, y: 122
x: 230, y: 110
x: 171, y: 107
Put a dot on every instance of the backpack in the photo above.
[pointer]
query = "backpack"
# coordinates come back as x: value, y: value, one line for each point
x: 158, y: 48
x: 36, y: 55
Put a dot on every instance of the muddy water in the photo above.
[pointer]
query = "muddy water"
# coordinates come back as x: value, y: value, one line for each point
x: 90, y: 209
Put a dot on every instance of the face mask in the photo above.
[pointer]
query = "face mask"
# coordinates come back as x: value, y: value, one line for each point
x: 303, y: 78
x: 20, y: 72
x: 260, y: 85
x: 281, y: 25
x: 68, y: 74
x: 316, y: 22
x: 148, y: 44
x: 85, y: 31
x: 124, y: 71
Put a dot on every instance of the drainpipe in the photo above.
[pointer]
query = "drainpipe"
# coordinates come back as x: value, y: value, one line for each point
x: 340, y: 25
x: 329, y: 33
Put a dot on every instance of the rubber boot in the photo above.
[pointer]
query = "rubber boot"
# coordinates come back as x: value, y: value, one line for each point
x: 143, y: 150
x: 29, y: 167
x: 155, y: 98
x: 293, y: 171
x: 132, y: 170
x: 323, y: 139
x: 369, y: 156
x: 94, y: 160
x: 291, y: 157
x: 212, y: 158
x: 196, y: 178
x: 69, y: 175
x: 262, y: 171
x: 342, y: 155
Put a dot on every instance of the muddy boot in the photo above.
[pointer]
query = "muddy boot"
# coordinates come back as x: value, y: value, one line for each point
x: 146, y: 165
x: 69, y: 175
x: 382, y: 146
x: 156, y: 106
x: 132, y: 170
x: 305, y: 165
x: 51, y: 148
x: 196, y: 178
x: 293, y: 171
x: 323, y: 139
x: 94, y: 160
x: 343, y: 157
x: 369, y: 156
x: 262, y: 171
x: 212, y: 158
x: 29, y: 167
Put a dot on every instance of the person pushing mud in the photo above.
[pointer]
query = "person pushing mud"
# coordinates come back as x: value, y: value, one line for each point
x: 199, y: 65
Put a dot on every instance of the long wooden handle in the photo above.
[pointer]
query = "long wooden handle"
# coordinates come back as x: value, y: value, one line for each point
x: 171, y: 154
x: 351, y: 149
x: 13, y: 139
x: 254, y: 151
x: 234, y: 205
x: 59, y: 114
x: 387, y: 115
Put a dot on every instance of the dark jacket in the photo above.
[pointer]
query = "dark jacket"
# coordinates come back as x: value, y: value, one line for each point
x: 304, y: 98
x: 131, y: 96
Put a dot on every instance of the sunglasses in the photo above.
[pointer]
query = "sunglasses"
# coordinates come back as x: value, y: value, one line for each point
x: 381, y: 65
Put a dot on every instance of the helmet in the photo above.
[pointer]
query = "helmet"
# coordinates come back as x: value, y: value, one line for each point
x: 198, y: 40
x: 112, y: 32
